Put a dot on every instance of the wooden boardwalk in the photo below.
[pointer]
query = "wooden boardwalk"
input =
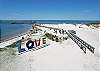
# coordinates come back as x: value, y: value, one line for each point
x: 82, y: 44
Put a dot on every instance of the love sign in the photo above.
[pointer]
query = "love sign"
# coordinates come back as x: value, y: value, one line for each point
x: 34, y: 43
x: 30, y: 44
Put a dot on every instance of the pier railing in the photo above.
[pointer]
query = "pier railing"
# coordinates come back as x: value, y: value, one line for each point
x: 82, y: 44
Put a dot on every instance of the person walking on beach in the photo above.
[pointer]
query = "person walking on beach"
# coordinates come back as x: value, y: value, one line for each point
x: 18, y: 45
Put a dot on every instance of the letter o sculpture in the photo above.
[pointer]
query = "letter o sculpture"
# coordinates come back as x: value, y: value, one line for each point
x: 30, y: 42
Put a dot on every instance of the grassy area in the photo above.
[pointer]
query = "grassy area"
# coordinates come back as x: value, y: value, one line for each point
x: 96, y: 25
x: 12, y: 45
x: 2, y: 49
x: 9, y: 50
x: 52, y: 37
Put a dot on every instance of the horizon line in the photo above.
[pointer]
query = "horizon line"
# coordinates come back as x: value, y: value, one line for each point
x: 54, y: 19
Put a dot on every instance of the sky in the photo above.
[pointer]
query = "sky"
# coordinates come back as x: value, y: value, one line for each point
x: 49, y: 9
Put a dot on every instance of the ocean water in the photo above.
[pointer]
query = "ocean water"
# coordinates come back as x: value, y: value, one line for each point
x: 11, y: 28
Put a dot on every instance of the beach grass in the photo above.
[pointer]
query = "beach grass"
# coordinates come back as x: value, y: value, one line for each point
x: 96, y: 25
x: 50, y: 36
x: 13, y: 45
x: 9, y: 50
x: 2, y: 49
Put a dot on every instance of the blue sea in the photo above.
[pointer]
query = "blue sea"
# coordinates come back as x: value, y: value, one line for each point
x: 11, y: 28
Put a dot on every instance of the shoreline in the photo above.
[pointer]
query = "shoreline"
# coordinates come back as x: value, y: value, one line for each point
x: 14, y: 36
x: 11, y: 40
x: 11, y: 31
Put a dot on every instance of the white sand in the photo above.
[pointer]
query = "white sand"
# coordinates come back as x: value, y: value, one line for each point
x: 65, y: 56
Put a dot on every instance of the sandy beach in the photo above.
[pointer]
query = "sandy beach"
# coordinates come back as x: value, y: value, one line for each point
x: 58, y: 56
